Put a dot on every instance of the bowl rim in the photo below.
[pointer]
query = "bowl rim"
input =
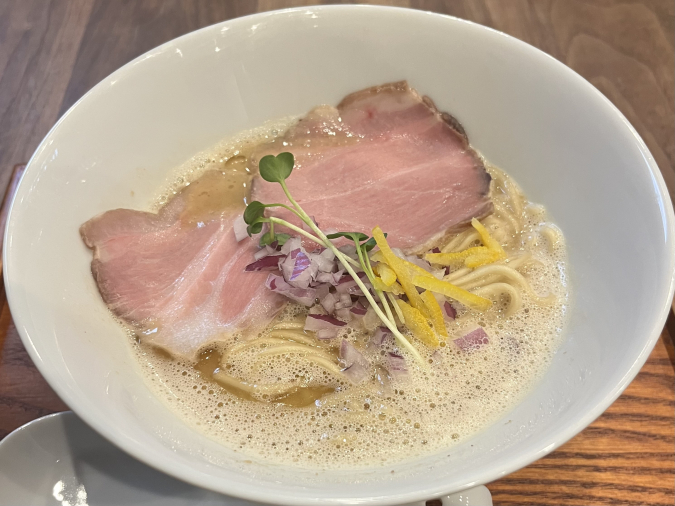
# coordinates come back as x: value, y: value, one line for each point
x: 546, y: 445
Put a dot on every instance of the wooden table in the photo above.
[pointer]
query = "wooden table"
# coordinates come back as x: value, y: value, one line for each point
x: 52, y: 52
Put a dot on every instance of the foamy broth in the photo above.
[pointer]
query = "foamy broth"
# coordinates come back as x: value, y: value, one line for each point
x: 333, y: 423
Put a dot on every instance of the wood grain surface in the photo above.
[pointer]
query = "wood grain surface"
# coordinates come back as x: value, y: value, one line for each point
x: 52, y: 52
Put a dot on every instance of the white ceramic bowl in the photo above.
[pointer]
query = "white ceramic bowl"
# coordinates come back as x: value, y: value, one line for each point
x: 566, y: 144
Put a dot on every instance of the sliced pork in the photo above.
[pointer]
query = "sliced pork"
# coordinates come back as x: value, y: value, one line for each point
x: 181, y: 283
x: 385, y: 156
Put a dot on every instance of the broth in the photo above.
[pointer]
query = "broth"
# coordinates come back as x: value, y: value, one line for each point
x: 321, y: 420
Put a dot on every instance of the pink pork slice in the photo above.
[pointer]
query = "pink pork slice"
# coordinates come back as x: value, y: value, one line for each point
x: 179, y: 285
x: 385, y: 156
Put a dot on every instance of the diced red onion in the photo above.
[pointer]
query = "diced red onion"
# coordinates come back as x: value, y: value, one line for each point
x: 343, y: 305
x: 473, y: 340
x: 329, y: 277
x: 346, y: 286
x: 356, y: 365
x: 316, y: 309
x: 268, y: 263
x: 278, y: 284
x: 358, y: 308
x: 381, y: 335
x: 344, y: 314
x: 322, y: 290
x: 325, y: 334
x: 328, y: 302
x: 349, y: 250
x: 325, y: 261
x: 396, y: 365
x: 436, y: 250
x: 449, y: 312
x: 297, y: 269
x: 356, y: 373
x: 384, y: 379
x: 316, y: 322
x: 371, y: 321
x: 349, y: 286
x: 292, y: 243
x: 239, y: 228
x: 358, y: 311
x: 301, y: 263
x: 264, y: 252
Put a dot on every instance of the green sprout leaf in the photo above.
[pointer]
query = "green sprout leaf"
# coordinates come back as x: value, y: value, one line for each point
x: 357, y: 237
x: 268, y: 239
x: 254, y: 211
x: 276, y: 169
x: 254, y: 228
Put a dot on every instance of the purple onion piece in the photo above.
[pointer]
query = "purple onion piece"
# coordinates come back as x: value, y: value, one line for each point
x: 349, y: 250
x: 322, y: 289
x: 344, y: 314
x: 325, y: 261
x: 316, y: 309
x: 301, y: 263
x: 449, y: 312
x: 356, y: 365
x: 326, y: 334
x: 268, y: 263
x: 322, y: 321
x: 292, y: 243
x: 346, y: 286
x: 436, y: 250
x: 358, y: 311
x: 328, y: 302
x: 297, y: 268
x: 278, y: 284
x: 239, y: 228
x: 384, y: 379
x: 356, y: 373
x: 264, y: 252
x: 329, y: 277
x: 380, y: 336
x: 396, y: 365
x: 473, y: 340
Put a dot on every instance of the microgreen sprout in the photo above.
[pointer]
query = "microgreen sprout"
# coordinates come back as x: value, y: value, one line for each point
x: 276, y: 169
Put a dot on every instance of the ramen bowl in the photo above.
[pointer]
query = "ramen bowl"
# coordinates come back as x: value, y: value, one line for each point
x: 563, y: 141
